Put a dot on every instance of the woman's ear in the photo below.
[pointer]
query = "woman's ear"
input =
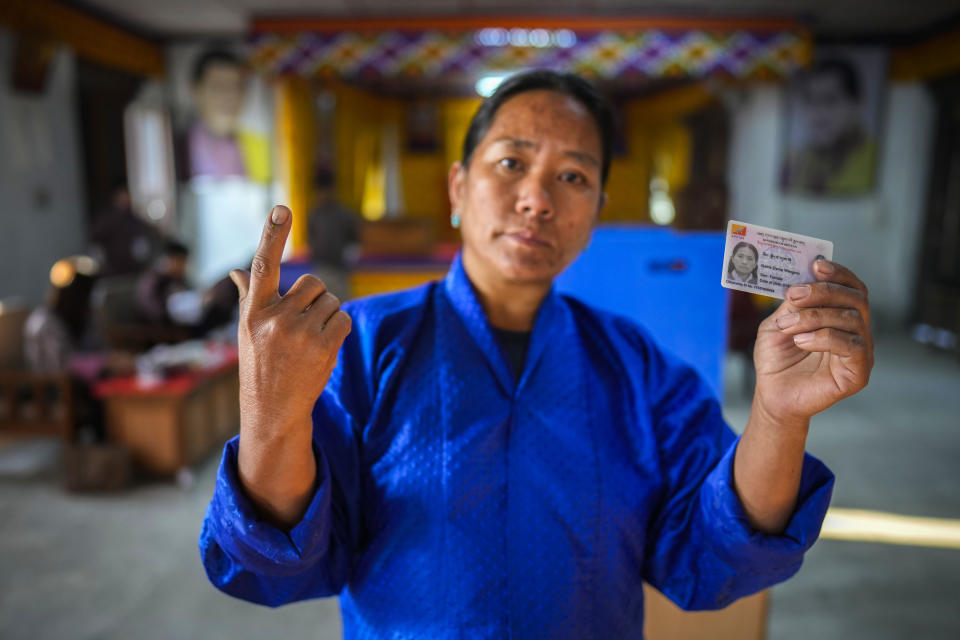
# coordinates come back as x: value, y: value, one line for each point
x: 456, y: 178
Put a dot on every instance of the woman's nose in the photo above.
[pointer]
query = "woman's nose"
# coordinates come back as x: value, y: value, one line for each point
x: 534, y: 197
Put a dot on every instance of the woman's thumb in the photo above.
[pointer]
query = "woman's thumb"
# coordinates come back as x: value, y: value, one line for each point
x: 241, y: 278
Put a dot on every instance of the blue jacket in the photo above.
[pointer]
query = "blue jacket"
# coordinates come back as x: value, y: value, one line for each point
x: 454, y: 500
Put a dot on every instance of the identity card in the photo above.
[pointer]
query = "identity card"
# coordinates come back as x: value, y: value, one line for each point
x: 766, y: 261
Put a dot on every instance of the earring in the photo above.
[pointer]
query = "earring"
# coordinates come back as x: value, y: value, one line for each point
x: 455, y: 219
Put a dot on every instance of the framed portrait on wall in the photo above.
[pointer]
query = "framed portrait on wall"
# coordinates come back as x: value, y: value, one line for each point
x: 223, y: 146
x: 423, y: 126
x: 833, y: 123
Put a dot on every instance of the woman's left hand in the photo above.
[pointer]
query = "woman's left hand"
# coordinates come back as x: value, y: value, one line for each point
x: 816, y: 348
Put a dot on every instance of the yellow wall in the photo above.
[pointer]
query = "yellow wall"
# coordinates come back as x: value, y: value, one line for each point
x: 424, y: 175
x: 359, y: 123
x: 424, y: 179
x: 658, y: 143
x: 295, y: 125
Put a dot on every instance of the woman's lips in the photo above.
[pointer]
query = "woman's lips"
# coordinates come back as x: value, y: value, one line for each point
x: 527, y: 238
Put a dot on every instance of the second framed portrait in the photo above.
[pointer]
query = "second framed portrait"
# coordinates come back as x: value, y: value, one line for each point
x: 833, y: 122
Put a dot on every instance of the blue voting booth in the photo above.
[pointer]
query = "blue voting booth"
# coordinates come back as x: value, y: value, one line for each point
x: 667, y: 281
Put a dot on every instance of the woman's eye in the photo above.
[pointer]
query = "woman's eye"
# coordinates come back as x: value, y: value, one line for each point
x: 509, y: 163
x: 572, y: 177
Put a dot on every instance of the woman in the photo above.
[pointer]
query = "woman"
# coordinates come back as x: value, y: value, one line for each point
x: 54, y: 332
x: 492, y: 459
x: 742, y: 266
x: 57, y: 340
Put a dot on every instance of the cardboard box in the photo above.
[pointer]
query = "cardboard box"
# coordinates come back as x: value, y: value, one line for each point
x: 745, y: 619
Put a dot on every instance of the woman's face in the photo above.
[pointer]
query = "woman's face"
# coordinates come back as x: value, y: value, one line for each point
x: 743, y: 261
x: 532, y: 193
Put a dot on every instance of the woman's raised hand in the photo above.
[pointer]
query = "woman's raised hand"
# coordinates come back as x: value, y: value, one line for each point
x: 817, y: 348
x: 288, y: 349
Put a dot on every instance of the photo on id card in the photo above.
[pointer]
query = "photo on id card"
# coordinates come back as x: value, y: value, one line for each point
x: 767, y: 261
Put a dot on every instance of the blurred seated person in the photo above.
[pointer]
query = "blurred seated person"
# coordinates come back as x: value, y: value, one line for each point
x: 123, y: 243
x: 166, y: 278
x: 57, y: 340
x: 333, y: 235
x: 164, y: 297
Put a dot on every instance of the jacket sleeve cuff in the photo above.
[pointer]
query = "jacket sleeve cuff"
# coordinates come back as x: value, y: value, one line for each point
x: 736, y: 542
x: 255, y: 543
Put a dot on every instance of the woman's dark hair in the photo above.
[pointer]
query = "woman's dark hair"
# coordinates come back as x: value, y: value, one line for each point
x: 71, y: 303
x: 211, y: 57
x: 756, y: 257
x: 567, y: 84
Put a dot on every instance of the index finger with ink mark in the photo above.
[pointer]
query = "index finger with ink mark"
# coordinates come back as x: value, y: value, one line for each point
x: 265, y: 268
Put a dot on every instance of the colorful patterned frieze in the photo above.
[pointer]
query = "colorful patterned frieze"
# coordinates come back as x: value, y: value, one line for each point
x: 646, y: 52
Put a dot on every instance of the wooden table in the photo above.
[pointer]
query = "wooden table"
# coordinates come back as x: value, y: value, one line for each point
x: 176, y: 423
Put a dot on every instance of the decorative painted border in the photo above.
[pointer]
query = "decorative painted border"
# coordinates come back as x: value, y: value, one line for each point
x: 439, y: 48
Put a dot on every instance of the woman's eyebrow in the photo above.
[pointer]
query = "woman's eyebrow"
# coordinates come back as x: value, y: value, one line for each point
x: 521, y: 143
x: 583, y: 157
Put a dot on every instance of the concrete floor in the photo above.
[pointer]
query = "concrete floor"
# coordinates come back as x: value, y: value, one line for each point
x: 126, y: 566
x: 894, y: 447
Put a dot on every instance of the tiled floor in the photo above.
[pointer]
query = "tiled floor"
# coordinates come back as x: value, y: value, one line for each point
x: 83, y: 567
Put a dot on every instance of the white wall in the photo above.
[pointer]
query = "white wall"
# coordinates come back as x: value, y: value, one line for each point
x: 39, y: 155
x: 877, y: 235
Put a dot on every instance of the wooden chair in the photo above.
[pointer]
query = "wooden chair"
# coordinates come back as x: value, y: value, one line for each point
x: 31, y: 404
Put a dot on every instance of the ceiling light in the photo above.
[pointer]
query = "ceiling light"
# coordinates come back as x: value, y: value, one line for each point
x: 486, y: 85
